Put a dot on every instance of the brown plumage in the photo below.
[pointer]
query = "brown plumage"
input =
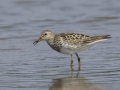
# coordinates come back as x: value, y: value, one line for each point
x: 70, y: 43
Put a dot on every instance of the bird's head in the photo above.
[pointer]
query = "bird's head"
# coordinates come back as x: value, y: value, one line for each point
x: 45, y: 35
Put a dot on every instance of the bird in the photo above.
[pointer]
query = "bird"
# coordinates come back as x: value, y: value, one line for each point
x: 70, y: 43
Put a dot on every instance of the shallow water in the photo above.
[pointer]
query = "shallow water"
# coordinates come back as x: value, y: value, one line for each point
x: 27, y: 67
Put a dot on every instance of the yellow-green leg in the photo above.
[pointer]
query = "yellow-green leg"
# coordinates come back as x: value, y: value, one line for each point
x: 78, y: 59
x: 72, y: 60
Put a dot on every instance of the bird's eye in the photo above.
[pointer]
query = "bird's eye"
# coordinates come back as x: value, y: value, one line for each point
x: 45, y: 34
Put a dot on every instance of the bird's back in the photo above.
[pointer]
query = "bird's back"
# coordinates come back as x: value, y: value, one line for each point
x: 71, y: 38
x: 78, y: 39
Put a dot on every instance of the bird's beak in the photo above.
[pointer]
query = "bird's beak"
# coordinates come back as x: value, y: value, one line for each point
x: 38, y: 40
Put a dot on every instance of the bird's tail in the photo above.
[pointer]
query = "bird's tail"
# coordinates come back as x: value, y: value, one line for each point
x: 100, y: 37
x: 96, y: 39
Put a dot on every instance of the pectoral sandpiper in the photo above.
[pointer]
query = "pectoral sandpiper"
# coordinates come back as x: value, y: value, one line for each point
x: 70, y: 43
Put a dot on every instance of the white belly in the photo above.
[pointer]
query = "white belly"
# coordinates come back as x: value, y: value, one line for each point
x: 73, y: 50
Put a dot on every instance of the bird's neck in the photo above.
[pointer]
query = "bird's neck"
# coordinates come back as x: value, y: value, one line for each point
x: 50, y: 41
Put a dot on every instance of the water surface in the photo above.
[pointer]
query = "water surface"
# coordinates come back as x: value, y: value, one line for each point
x: 27, y: 67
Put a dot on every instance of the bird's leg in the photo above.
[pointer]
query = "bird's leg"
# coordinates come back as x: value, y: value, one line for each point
x: 78, y: 59
x: 71, y: 60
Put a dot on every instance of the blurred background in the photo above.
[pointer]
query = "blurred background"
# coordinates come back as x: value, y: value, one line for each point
x: 27, y: 67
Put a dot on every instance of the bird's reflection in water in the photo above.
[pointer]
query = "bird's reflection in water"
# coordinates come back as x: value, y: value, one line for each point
x: 74, y: 83
x: 79, y: 68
